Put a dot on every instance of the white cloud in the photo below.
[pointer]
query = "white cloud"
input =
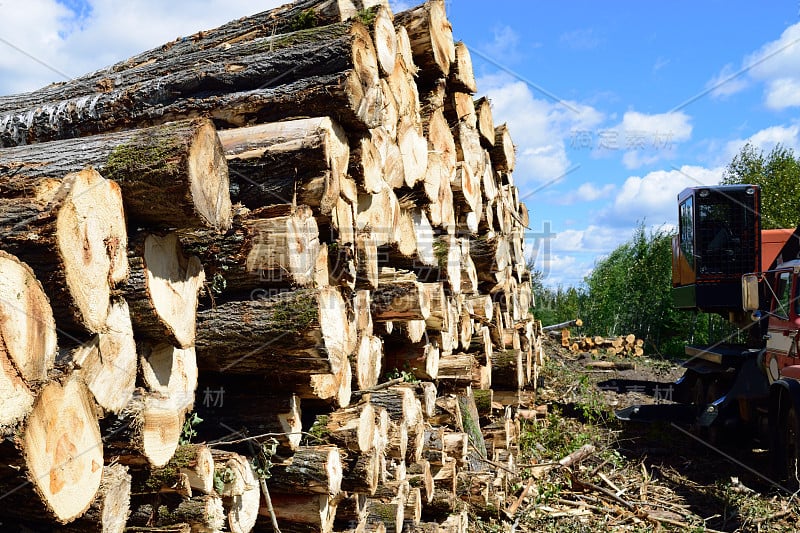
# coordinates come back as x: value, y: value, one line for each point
x: 582, y: 39
x: 654, y: 197
x: 586, y: 192
x: 647, y: 138
x: 776, y: 65
x: 49, y: 34
x: 538, y: 126
x: 766, y: 139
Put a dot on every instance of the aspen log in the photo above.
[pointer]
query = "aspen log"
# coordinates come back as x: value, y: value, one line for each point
x: 368, y: 362
x: 503, y: 152
x: 293, y: 333
x: 352, y: 428
x: 170, y: 372
x: 171, y: 175
x: 60, y: 456
x: 311, y: 470
x: 296, y: 161
x: 192, y: 464
x: 108, y: 512
x: 378, y: 214
x: 431, y: 38
x: 234, y: 94
x: 461, y: 76
x: 300, y: 513
x: 363, y: 472
x: 162, y: 289
x: 229, y: 40
x: 203, y: 514
x: 400, y: 300
x: 273, y: 247
x: 71, y: 232
x: 27, y: 340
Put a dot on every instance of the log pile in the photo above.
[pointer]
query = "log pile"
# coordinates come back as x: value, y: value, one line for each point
x: 622, y: 345
x: 257, y: 225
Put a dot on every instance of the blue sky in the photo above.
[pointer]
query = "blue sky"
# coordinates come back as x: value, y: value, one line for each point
x: 614, y: 106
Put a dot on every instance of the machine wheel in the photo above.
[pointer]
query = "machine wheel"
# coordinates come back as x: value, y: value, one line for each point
x: 790, y: 447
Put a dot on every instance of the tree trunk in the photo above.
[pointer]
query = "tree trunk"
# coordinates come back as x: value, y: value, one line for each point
x: 413, y: 150
x: 368, y: 362
x: 162, y: 289
x: 352, y: 428
x: 431, y: 38
x: 241, y: 490
x: 363, y: 473
x: 271, y: 248
x: 171, y: 175
x: 293, y: 162
x: 265, y: 30
x: 71, y: 232
x: 27, y: 340
x: 378, y: 214
x: 317, y: 75
x: 294, y: 333
x: 301, y: 513
x: 311, y: 470
x: 204, y: 514
x: 192, y: 462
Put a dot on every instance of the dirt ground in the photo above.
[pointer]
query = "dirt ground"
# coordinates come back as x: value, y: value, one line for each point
x: 639, y: 477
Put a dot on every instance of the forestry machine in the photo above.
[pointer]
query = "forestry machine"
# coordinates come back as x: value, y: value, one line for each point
x: 724, y: 263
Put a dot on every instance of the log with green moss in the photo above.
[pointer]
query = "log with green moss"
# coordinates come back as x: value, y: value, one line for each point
x: 293, y: 333
x: 172, y: 175
x: 326, y: 72
x: 204, y: 513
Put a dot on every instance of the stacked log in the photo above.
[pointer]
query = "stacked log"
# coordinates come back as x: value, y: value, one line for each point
x: 300, y: 228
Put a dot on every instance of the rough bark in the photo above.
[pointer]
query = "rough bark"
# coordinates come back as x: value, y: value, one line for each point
x: 301, y: 513
x: 293, y: 333
x: 311, y: 470
x: 192, y: 464
x: 400, y: 300
x: 203, y: 514
x: 274, y: 247
x: 341, y: 81
x: 171, y: 175
x: 297, y: 161
x: 71, y: 232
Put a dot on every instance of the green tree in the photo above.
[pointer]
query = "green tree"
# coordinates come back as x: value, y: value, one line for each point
x: 629, y: 292
x: 778, y: 175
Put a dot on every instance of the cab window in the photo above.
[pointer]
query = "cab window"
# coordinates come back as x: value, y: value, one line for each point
x: 783, y: 295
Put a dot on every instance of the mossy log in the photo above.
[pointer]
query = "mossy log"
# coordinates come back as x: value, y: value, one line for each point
x: 240, y: 490
x: 171, y: 175
x: 317, y: 76
x: 204, y: 514
x: 301, y: 332
x: 297, y: 161
x: 27, y: 340
x: 192, y: 464
x: 71, y: 232
x: 311, y: 470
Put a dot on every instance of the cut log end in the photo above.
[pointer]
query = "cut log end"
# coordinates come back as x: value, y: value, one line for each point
x: 208, y: 175
x: 63, y: 450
